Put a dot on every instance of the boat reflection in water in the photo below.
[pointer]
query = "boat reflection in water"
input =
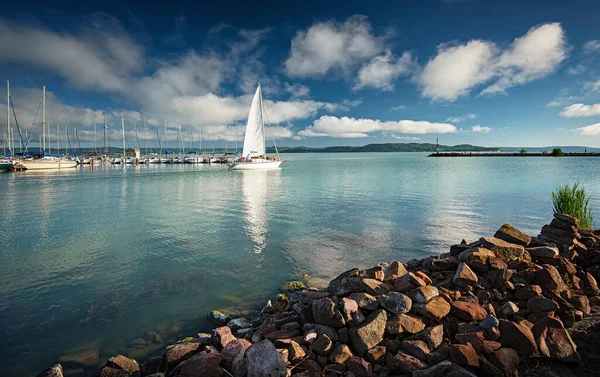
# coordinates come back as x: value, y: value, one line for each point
x: 257, y: 187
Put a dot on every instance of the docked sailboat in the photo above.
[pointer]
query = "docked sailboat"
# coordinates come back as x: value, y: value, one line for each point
x: 254, y: 155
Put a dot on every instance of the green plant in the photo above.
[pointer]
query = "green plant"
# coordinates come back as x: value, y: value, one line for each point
x: 557, y: 152
x: 523, y: 151
x: 572, y: 200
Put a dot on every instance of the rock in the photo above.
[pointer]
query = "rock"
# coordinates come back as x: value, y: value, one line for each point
x: 233, y: 352
x: 568, y: 219
x: 376, y: 355
x: 395, y: 303
x: 432, y: 336
x: 445, y: 264
x: 528, y: 292
x: 295, y: 352
x: 475, y: 338
x: 278, y: 335
x: 554, y: 341
x: 549, y: 278
x: 541, y: 304
x: 293, y: 285
x: 408, y: 282
x: 222, y: 336
x: 512, y: 235
x: 416, y: 348
x: 394, y: 270
x: 125, y: 364
x: 489, y: 346
x: 358, y: 366
x: 435, y: 309
x: 582, y: 303
x: 239, y: 323
x: 468, y: 311
x: 404, y: 323
x: 488, y: 369
x: 370, y: 333
x: 376, y: 273
x: 345, y: 283
x: 340, y: 354
x: 86, y: 357
x: 218, y: 317
x: 365, y: 301
x: 464, y: 355
x: 323, y: 345
x: 444, y: 369
x: 263, y: 360
x: 349, y: 310
x: 464, y: 276
x: 543, y: 252
x: 509, y: 308
x: 517, y: 336
x: 240, y: 368
x: 424, y: 294
x: 374, y: 287
x: 176, y: 353
x: 504, y: 250
x: 111, y: 372
x: 54, y: 371
x: 153, y: 364
x: 506, y: 360
x: 205, y: 364
x: 322, y: 329
x: 290, y: 326
x: 325, y: 313
x: 405, y: 363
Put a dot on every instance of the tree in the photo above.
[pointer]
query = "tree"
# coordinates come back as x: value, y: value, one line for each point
x: 523, y: 151
x: 557, y: 152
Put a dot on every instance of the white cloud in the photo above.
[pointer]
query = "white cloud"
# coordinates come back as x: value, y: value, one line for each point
x: 383, y: 70
x: 461, y: 118
x: 591, y: 46
x: 592, y: 129
x: 398, y: 137
x: 562, y: 99
x: 297, y: 90
x: 591, y: 86
x: 327, y: 46
x: 457, y: 69
x: 399, y: 107
x: 577, y: 70
x: 580, y: 110
x: 479, y: 128
x: 346, y: 127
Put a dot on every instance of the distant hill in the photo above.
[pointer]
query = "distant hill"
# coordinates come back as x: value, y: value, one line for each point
x: 388, y: 147
x: 567, y: 148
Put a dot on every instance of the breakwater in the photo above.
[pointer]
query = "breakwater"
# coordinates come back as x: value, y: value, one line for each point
x: 469, y: 154
x: 487, y: 307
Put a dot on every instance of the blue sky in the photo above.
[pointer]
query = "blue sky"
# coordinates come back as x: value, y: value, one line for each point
x: 352, y: 73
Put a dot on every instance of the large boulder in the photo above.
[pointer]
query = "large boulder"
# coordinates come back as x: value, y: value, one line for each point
x: 125, y: 364
x: 365, y: 300
x: 346, y: 282
x: 506, y: 360
x: 325, y: 313
x: 405, y: 363
x: 54, y: 371
x: 205, y: 364
x: 395, y: 303
x: 424, y: 294
x: 512, y: 235
x: 370, y: 333
x: 468, y: 311
x: 504, y: 250
x: 433, y: 336
x: 434, y: 309
x: 464, y: 276
x: 519, y: 337
x: 554, y: 341
x: 404, y: 323
x: 176, y: 353
x: 394, y: 270
x: 549, y: 279
x: 263, y: 360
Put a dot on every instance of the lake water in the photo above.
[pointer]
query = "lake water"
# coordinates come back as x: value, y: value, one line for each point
x: 94, y: 259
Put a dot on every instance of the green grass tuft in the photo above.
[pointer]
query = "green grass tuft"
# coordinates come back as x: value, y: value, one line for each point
x: 572, y: 200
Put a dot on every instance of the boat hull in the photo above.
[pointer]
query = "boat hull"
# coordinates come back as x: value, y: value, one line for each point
x: 256, y: 165
x: 5, y: 166
x: 40, y: 165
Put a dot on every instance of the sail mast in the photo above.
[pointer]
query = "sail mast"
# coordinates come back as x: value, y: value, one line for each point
x: 44, y: 118
x: 123, y: 127
x: 8, y: 114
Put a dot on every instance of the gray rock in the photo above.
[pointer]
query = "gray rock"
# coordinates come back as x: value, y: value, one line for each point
x: 54, y: 371
x: 325, y: 313
x: 395, y: 303
x: 444, y: 369
x: 263, y: 360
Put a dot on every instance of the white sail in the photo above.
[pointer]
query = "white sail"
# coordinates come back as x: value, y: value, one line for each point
x: 254, y: 141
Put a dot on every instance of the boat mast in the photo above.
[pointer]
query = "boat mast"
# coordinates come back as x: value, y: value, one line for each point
x: 123, y: 126
x: 236, y: 137
x: 105, y: 134
x: 8, y: 113
x: 95, y: 142
x: 201, y: 132
x: 44, y: 118
x: 145, y: 137
x: 68, y: 141
x: 180, y: 142
x: 166, y: 139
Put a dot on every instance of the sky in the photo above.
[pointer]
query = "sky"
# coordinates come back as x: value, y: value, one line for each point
x: 484, y: 72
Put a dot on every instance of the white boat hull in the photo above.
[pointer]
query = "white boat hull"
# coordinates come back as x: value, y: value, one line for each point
x: 39, y: 165
x: 256, y: 165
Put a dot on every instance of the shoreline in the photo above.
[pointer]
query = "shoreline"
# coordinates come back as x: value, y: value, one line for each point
x: 490, y: 307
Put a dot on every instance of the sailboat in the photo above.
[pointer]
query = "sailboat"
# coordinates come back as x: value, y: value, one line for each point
x: 254, y: 156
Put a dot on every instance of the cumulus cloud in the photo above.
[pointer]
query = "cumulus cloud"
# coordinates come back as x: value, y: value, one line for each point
x: 461, y: 118
x: 383, y: 70
x: 592, y: 129
x: 297, y: 90
x: 577, y: 70
x: 330, y: 45
x: 347, y: 127
x: 592, y: 86
x: 591, y: 46
x: 580, y: 110
x: 457, y: 69
x: 479, y: 128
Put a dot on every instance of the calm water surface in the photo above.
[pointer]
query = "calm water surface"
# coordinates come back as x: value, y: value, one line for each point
x: 94, y: 259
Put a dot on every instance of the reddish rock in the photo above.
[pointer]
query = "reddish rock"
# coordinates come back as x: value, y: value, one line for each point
x: 512, y: 235
x: 435, y: 309
x: 374, y: 287
x: 376, y: 273
x: 365, y: 301
x: 176, y: 353
x: 432, y: 336
x: 340, y: 353
x: 554, y: 341
x: 376, y: 355
x: 416, y: 348
x: 370, y: 333
x: 506, y: 360
x: 222, y: 336
x: 394, y: 270
x: 464, y: 276
x: 125, y: 364
x: 476, y: 339
x: 205, y: 364
x: 424, y: 294
x: 468, y: 311
x: 408, y: 282
x: 423, y: 276
x: 582, y: 303
x: 548, y: 278
x: 277, y: 335
x: 404, y: 323
x: 489, y: 346
x: 464, y: 355
x: 404, y: 363
x: 517, y: 336
x: 358, y: 366
x: 503, y: 250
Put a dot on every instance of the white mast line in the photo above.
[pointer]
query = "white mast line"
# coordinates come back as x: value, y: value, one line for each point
x: 123, y: 126
x: 44, y: 118
x: 8, y: 113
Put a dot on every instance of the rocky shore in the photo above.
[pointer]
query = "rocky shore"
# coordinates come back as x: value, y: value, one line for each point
x: 505, y: 305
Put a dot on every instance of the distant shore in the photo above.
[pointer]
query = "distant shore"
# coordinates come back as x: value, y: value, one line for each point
x: 470, y: 154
